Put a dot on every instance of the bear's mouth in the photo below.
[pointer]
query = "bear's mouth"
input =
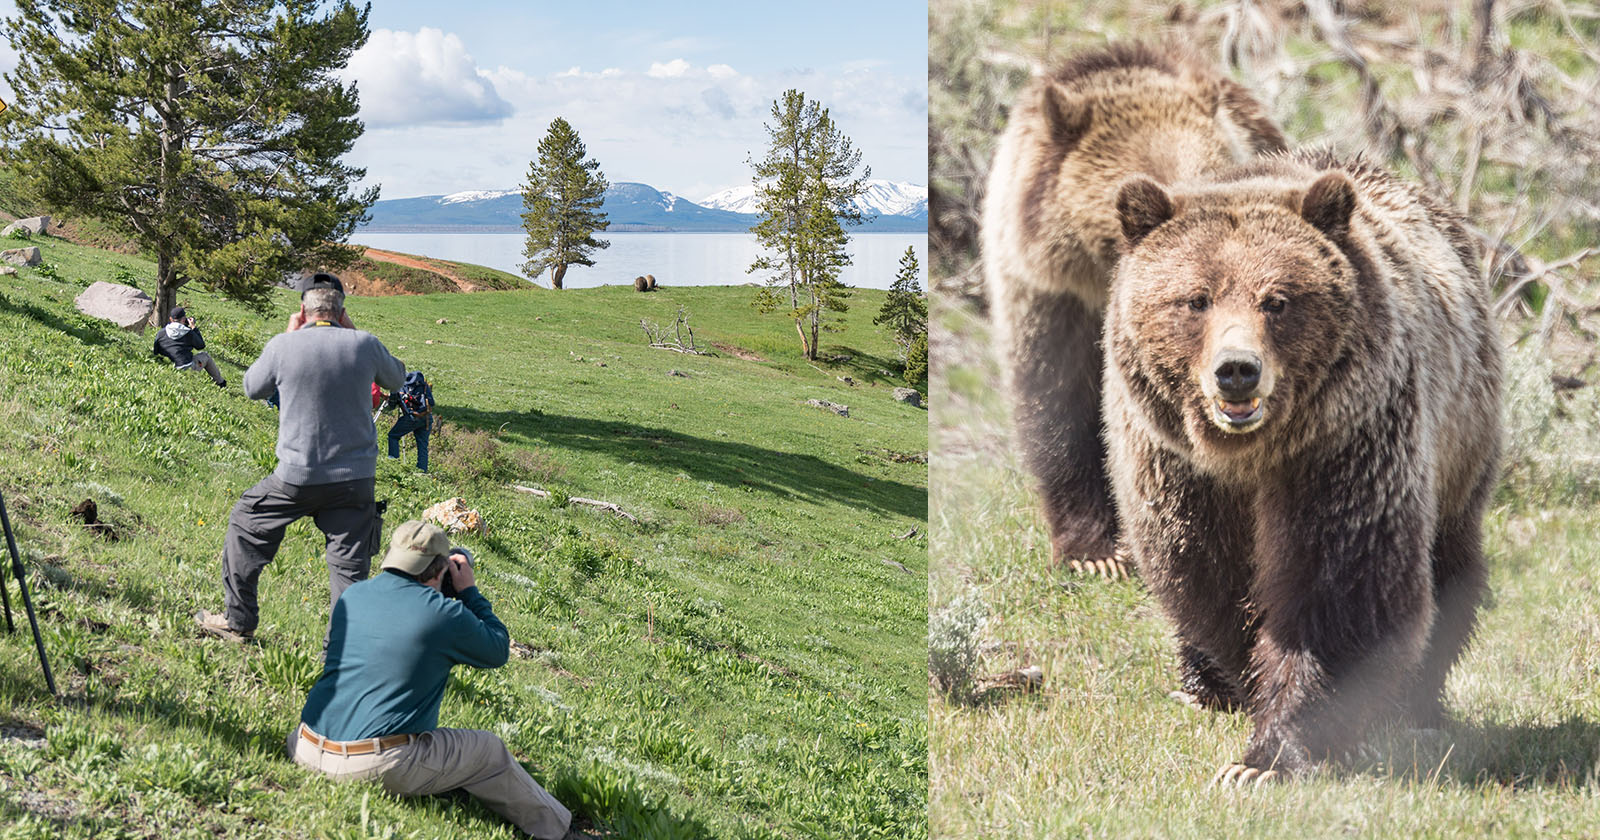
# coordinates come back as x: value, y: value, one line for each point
x: 1237, y: 416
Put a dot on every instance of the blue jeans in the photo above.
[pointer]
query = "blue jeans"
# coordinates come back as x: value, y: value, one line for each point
x: 408, y: 424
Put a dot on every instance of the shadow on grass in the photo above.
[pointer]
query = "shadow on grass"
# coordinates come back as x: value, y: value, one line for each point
x: 733, y: 464
x: 81, y: 332
x: 1559, y: 754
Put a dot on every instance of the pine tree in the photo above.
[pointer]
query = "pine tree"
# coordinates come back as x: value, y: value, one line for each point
x: 209, y: 132
x: 806, y: 186
x: 563, y: 196
x: 916, y: 374
x: 905, y: 310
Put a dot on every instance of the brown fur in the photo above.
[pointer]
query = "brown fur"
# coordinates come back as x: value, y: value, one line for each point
x: 1321, y: 556
x: 1051, y: 237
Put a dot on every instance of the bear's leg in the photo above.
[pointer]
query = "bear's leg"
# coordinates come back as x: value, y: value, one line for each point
x: 1053, y: 353
x: 1204, y: 685
x: 1459, y: 581
x: 1345, y: 595
x: 1192, y: 540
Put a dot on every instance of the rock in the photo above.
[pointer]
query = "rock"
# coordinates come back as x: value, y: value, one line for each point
x: 848, y: 381
x: 22, y: 256
x: 6, y: 270
x: 124, y: 306
x: 841, y: 410
x: 676, y: 372
x: 441, y: 321
x: 908, y: 395
x: 454, y: 516
x: 429, y: 341
x: 840, y: 359
x: 32, y: 226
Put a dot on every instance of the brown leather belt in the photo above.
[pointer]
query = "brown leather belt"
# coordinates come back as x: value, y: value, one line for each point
x: 365, y: 746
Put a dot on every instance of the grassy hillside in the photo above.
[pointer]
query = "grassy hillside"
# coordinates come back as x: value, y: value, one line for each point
x: 743, y: 662
x: 1102, y: 752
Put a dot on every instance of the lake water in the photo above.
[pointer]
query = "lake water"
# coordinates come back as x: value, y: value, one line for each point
x: 676, y: 259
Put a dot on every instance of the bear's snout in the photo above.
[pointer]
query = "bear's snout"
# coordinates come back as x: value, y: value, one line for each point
x: 1238, y: 374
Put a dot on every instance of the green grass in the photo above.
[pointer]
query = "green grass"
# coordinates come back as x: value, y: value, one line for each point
x: 1102, y: 752
x: 742, y: 663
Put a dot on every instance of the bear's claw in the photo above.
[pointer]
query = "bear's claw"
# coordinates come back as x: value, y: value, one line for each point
x: 1119, y: 566
x: 1236, y: 775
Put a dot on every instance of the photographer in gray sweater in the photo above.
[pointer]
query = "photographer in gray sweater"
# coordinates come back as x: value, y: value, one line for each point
x: 322, y: 368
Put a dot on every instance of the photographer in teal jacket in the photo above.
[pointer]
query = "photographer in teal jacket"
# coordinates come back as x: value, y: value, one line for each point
x: 374, y: 714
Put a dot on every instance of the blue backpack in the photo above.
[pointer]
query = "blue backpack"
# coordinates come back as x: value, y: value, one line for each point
x: 416, y: 397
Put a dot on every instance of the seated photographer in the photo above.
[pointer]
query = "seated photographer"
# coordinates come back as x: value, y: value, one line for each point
x: 181, y: 342
x: 374, y: 714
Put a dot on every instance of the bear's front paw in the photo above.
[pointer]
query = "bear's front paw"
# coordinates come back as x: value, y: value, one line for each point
x: 1116, y: 566
x: 1235, y: 775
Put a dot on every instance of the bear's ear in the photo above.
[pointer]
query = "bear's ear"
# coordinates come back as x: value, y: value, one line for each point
x: 1143, y: 206
x: 1329, y: 203
x: 1067, y: 116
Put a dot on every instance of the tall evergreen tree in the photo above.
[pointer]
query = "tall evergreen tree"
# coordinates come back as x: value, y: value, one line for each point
x: 562, y: 196
x: 208, y: 131
x: 806, y: 186
x: 905, y: 310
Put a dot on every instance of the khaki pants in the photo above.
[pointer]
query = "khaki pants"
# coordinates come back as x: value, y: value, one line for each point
x: 203, y: 361
x: 446, y: 759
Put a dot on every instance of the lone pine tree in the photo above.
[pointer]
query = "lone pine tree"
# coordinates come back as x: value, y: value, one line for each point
x: 209, y: 132
x: 905, y: 310
x: 562, y: 196
x: 806, y: 188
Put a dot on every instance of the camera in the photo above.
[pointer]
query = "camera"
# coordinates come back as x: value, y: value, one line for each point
x: 447, y: 584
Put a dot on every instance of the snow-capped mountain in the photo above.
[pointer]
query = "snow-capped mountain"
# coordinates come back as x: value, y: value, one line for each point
x: 476, y: 195
x: 882, y: 198
x: 896, y: 208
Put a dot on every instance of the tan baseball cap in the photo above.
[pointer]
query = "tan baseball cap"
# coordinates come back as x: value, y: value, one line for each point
x: 414, y: 545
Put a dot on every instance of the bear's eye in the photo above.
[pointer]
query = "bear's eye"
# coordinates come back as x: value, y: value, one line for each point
x: 1200, y: 303
x: 1274, y: 303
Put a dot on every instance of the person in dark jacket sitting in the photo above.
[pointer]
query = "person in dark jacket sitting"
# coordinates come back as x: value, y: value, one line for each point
x: 374, y: 714
x: 180, y: 341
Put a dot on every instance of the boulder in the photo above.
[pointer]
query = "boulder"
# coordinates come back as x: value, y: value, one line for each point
x: 455, y: 517
x: 841, y: 410
x: 7, y: 269
x: 908, y: 395
x: 22, y: 256
x: 124, y: 306
x: 32, y: 226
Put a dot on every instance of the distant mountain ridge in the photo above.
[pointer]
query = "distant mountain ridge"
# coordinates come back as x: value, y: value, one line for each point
x: 896, y: 207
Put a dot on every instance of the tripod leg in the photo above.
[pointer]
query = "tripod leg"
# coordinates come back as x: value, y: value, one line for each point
x: 27, y: 603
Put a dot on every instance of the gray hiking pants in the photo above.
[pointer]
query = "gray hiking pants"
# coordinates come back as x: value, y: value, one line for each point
x: 345, y: 513
x: 203, y: 361
x: 448, y: 759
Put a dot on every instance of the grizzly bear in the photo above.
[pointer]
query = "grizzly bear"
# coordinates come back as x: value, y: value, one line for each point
x: 1303, y: 419
x: 1050, y: 240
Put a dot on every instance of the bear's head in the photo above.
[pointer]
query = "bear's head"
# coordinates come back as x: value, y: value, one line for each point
x: 1232, y: 305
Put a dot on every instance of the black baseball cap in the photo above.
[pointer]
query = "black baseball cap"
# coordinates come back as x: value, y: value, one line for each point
x: 322, y: 280
x: 178, y: 314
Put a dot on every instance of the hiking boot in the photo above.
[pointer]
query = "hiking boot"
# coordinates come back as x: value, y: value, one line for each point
x: 213, y: 624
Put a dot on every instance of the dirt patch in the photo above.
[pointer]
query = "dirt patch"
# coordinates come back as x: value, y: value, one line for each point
x: 423, y: 264
x: 740, y: 352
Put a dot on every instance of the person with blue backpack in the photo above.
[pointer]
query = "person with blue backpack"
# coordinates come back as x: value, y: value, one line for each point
x: 415, y: 401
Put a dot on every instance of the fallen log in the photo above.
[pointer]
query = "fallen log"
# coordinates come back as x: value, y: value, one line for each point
x: 579, y: 500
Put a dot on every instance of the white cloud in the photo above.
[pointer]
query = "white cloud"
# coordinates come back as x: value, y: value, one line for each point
x: 424, y: 77
x: 672, y: 124
x: 673, y: 68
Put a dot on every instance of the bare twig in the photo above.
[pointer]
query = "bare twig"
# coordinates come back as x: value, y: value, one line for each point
x: 579, y: 500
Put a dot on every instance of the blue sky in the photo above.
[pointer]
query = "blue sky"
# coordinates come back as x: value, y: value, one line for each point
x: 456, y: 95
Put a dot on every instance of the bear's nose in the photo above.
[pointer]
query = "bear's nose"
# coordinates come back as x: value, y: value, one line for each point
x: 1238, y: 373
